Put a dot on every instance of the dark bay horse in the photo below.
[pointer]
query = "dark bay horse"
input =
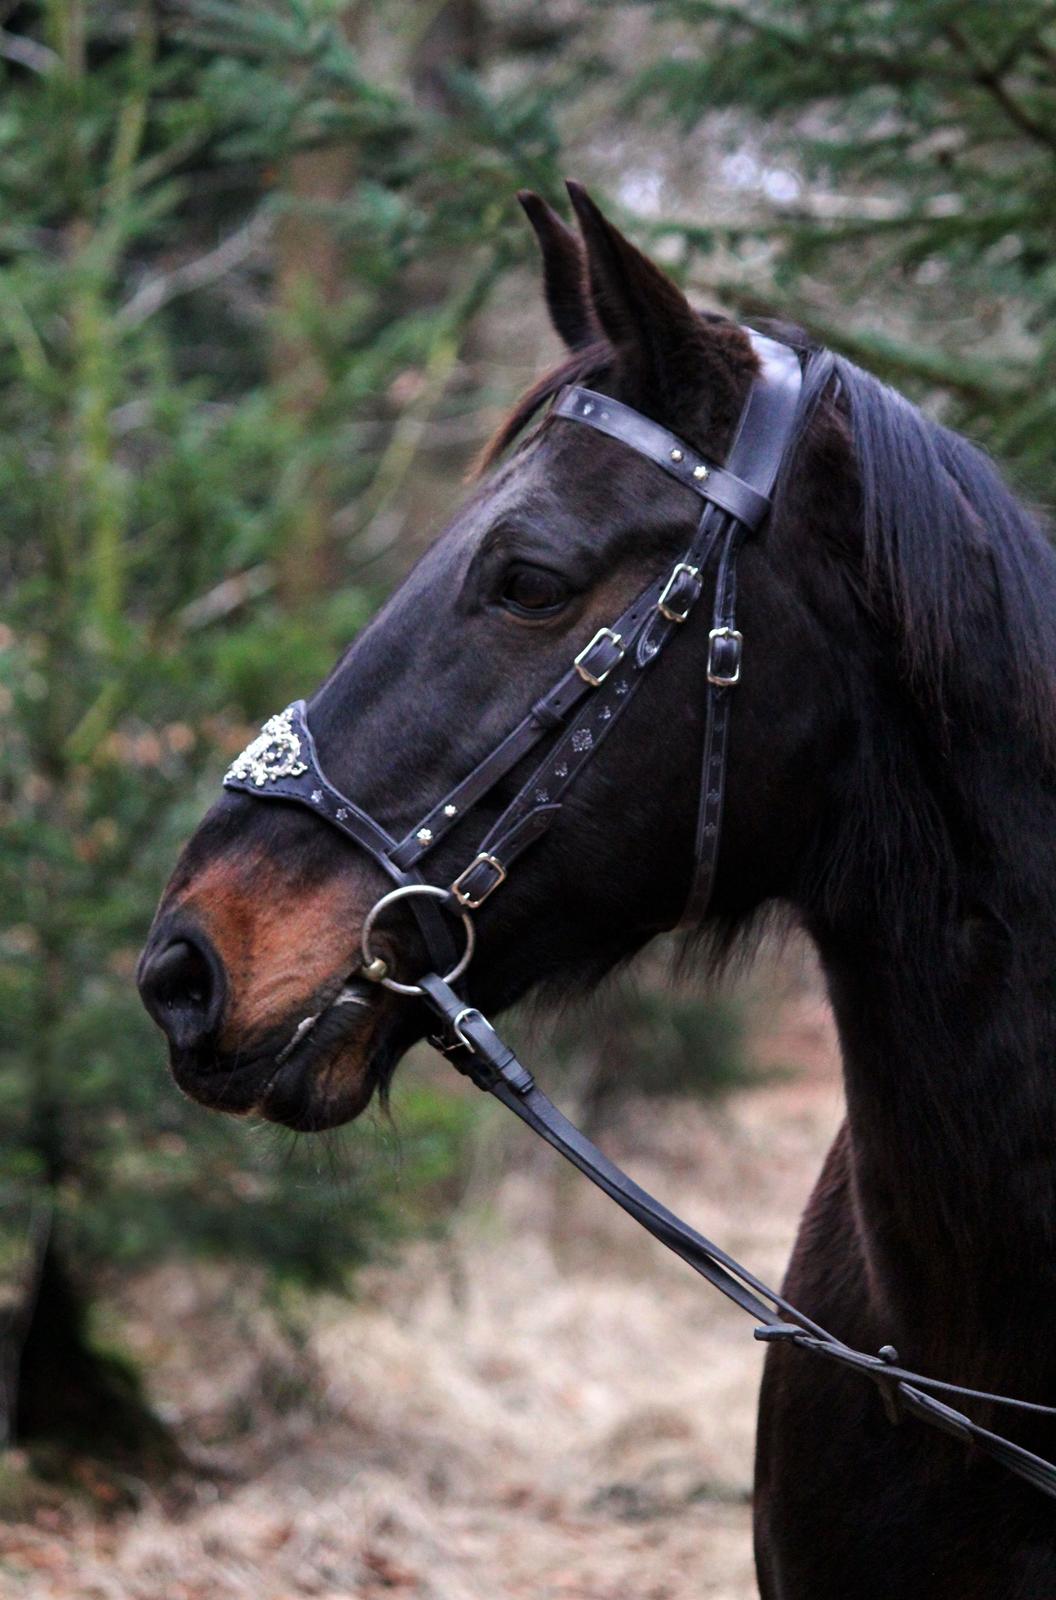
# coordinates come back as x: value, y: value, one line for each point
x: 891, y: 779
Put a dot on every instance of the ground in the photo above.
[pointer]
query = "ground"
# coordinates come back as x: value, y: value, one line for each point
x: 542, y: 1404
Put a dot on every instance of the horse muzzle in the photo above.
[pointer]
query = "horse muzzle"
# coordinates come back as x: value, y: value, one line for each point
x: 314, y: 1072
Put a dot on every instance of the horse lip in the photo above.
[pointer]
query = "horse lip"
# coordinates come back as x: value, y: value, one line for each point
x: 292, y: 1098
x: 243, y: 1084
x: 234, y: 1087
x: 301, y: 1047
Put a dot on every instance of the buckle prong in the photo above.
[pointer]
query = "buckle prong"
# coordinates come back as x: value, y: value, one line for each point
x: 456, y: 1024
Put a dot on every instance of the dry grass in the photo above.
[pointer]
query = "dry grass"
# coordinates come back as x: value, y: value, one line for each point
x: 542, y: 1405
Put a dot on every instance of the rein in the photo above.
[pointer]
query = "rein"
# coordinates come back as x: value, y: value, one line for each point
x: 577, y: 713
x: 481, y: 1055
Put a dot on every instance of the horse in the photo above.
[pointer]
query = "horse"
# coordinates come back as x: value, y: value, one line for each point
x: 890, y: 784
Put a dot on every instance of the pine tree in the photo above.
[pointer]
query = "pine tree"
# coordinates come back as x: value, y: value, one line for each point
x: 913, y: 144
x: 183, y: 414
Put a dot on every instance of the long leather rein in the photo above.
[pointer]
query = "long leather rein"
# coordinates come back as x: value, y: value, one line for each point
x: 577, y: 714
x: 485, y: 1058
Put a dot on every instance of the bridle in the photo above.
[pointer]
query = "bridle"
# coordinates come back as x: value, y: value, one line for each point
x: 589, y: 698
x: 577, y: 713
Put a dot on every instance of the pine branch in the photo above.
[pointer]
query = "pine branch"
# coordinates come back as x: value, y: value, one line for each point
x: 992, y: 80
x: 981, y: 382
x: 897, y: 70
x: 1045, y: 53
x: 28, y: 53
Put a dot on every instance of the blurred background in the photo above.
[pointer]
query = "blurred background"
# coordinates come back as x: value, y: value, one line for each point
x: 264, y: 292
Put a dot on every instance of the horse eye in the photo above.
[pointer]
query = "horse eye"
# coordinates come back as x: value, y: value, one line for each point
x: 533, y: 591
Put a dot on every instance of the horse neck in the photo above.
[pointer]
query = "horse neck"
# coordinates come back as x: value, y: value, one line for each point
x: 943, y: 982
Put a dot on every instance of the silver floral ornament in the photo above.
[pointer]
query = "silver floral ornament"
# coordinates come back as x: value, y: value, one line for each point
x: 275, y: 753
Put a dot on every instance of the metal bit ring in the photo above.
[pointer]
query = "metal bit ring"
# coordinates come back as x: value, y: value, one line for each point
x: 435, y: 892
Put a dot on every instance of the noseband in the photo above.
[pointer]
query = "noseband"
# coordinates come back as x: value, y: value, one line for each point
x: 282, y: 763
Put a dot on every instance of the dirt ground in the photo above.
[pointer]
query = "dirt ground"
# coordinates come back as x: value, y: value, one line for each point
x: 542, y: 1404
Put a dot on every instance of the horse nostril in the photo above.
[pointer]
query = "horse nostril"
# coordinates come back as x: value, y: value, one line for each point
x: 182, y: 987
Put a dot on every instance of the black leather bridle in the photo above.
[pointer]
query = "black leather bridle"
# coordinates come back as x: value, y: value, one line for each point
x: 578, y: 713
x: 588, y: 699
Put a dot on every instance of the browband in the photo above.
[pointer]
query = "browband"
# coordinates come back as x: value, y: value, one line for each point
x: 743, y: 486
x: 666, y: 449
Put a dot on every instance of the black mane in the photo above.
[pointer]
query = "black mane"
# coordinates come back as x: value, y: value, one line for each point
x: 964, y: 572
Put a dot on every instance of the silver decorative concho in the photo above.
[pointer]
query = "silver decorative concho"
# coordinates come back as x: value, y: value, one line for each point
x: 274, y: 753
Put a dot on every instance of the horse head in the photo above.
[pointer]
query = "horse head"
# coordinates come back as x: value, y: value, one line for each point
x: 259, y: 927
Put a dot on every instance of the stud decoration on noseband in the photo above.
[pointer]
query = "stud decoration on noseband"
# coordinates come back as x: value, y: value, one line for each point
x: 578, y: 713
x: 275, y: 753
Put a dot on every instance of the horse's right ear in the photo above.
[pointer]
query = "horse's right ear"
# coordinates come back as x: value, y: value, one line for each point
x: 564, y: 274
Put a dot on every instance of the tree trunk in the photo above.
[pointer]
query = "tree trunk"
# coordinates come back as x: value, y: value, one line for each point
x: 309, y: 276
x: 452, y: 38
x: 308, y: 273
x: 77, y: 1399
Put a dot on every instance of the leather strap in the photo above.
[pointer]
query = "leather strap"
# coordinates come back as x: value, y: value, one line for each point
x: 765, y: 427
x: 733, y: 491
x: 482, y: 1055
x: 758, y: 450
x: 723, y: 671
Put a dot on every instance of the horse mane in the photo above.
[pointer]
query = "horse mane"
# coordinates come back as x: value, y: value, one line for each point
x: 945, y: 543
x: 582, y: 366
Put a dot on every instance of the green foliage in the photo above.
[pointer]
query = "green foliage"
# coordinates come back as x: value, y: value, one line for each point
x: 185, y: 397
x: 924, y: 137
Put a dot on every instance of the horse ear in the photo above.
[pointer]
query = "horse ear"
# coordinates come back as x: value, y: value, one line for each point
x: 564, y: 274
x: 645, y: 315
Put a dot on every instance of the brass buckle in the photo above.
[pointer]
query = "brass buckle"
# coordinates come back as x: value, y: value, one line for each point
x: 467, y: 900
x: 594, y: 679
x: 722, y: 680
x: 669, y: 611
